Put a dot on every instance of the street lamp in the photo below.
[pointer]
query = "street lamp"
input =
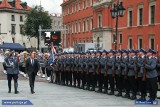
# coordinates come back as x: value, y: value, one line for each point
x: 117, y: 11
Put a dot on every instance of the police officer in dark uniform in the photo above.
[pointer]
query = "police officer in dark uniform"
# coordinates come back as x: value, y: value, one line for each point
x: 87, y: 67
x: 131, y: 75
x: 158, y: 69
x: 91, y: 75
x: 76, y: 60
x: 56, y: 68
x: 124, y: 68
x: 61, y: 68
x: 102, y: 80
x: 151, y: 74
x: 110, y: 72
x: 97, y: 69
x: 12, y: 68
x: 80, y: 70
x: 118, y: 73
x: 141, y: 82
x: 83, y: 74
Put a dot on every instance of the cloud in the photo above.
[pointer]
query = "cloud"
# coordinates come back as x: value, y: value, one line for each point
x: 53, y: 6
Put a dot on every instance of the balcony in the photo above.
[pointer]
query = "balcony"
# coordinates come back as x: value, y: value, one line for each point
x: 99, y: 3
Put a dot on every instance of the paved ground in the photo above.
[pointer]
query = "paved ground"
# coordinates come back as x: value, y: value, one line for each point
x: 52, y: 95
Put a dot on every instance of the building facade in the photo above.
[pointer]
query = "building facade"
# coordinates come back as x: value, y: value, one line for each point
x: 138, y: 28
x: 12, y: 18
x: 78, y: 22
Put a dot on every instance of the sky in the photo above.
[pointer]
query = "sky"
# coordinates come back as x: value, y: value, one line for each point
x: 53, y: 6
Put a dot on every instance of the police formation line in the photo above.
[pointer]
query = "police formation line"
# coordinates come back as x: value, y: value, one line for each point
x: 125, y: 71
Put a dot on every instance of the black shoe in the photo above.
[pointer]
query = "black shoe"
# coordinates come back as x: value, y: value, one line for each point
x: 126, y: 96
x: 16, y: 92
x: 99, y: 91
x: 105, y: 91
x: 133, y: 97
x: 9, y: 91
x: 142, y: 99
x: 74, y: 85
x: 119, y: 94
x: 88, y: 88
x: 92, y: 89
x: 78, y: 86
x: 111, y: 93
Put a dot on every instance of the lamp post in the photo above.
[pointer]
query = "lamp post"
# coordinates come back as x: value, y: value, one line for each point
x: 117, y: 11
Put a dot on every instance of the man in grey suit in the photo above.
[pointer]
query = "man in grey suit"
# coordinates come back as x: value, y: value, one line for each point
x: 32, y: 67
x: 151, y: 74
x: 12, y: 68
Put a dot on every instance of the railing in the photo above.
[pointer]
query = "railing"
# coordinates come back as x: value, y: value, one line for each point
x: 99, y: 2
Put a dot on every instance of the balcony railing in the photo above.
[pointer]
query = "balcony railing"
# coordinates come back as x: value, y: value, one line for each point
x: 100, y: 2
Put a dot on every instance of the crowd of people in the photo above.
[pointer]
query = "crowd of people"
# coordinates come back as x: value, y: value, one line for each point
x: 123, y: 73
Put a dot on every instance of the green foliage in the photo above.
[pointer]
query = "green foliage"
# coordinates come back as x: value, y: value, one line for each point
x: 37, y: 17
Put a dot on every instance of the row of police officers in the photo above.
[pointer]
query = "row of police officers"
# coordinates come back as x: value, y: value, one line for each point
x: 128, y: 71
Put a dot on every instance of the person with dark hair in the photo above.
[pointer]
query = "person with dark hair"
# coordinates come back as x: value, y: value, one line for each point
x: 12, y: 68
x: 32, y: 67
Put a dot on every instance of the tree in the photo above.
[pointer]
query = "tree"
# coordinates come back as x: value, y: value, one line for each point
x: 37, y: 17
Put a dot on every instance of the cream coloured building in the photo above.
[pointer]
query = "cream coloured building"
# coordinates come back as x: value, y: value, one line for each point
x: 12, y: 19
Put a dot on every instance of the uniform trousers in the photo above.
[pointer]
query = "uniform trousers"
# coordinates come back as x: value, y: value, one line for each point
x: 83, y: 77
x: 66, y: 77
x: 152, y: 87
x: 111, y: 82
x: 15, y: 78
x: 70, y: 77
x: 142, y: 86
x: 119, y: 82
x: 131, y: 85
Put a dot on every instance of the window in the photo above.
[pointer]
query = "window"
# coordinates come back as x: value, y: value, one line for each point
x: 13, y: 29
x: 152, y: 42
x: 84, y: 26
x: 99, y: 20
x: 21, y: 18
x: 130, y: 18
x: 120, y: 38
x: 140, y: 16
x: 130, y: 43
x: 91, y: 24
x: 22, y: 29
x: 79, y: 6
x: 12, y: 18
x: 152, y: 14
x: 140, y: 42
x: 75, y: 27
x: 0, y: 29
x: 72, y: 27
x: 87, y: 25
x: 79, y: 26
x: 86, y: 3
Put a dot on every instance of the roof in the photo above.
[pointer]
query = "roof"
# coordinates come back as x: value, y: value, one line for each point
x: 18, y: 4
x: 14, y: 46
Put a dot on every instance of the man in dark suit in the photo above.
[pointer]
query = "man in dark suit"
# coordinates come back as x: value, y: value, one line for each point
x: 32, y: 67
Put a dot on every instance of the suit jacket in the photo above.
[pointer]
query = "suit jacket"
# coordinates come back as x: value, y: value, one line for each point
x: 32, y: 68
